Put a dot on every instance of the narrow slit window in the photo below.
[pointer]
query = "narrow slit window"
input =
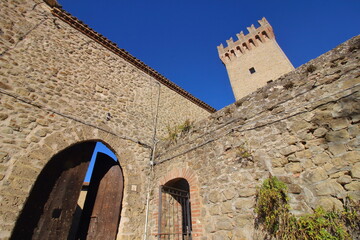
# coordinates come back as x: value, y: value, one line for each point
x: 252, y: 70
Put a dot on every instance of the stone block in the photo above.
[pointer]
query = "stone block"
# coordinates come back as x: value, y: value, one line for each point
x: 355, y: 170
x: 337, y: 149
x: 299, y: 125
x: 244, y: 203
x: 221, y: 235
x: 319, y: 143
x: 41, y: 132
x: 340, y: 136
x: 339, y: 123
x: 229, y: 193
x: 25, y: 172
x: 315, y: 175
x: 354, y: 130
x: 223, y: 224
x: 214, y: 210
x: 351, y: 157
x: 214, y: 197
x: 307, y: 164
x: 3, y: 116
x: 351, y: 82
x: 226, y: 208
x: 306, y: 154
x: 294, y: 188
x: 279, y: 162
x: 329, y: 187
x: 305, y: 135
x: 288, y: 150
x: 291, y: 140
x: 247, y: 192
x: 279, y: 171
x: 293, y: 167
x: 330, y: 204
x: 344, y: 179
x: 243, y: 220
x: 320, y: 132
x: 353, y: 186
x: 354, y: 195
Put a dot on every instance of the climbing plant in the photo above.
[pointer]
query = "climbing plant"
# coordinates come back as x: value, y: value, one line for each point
x: 273, y: 214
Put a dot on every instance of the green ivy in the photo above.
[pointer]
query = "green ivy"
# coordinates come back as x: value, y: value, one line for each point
x: 273, y: 214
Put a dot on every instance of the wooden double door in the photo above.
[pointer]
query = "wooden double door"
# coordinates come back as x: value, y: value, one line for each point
x: 52, y: 211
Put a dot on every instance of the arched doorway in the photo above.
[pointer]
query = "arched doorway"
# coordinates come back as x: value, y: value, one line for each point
x: 175, y: 210
x: 50, y: 210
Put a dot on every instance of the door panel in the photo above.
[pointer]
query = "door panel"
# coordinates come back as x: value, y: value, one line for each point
x: 48, y: 211
x: 101, y: 214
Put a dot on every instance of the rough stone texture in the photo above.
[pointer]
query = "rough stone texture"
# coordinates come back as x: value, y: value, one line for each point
x: 307, y: 135
x: 59, y: 87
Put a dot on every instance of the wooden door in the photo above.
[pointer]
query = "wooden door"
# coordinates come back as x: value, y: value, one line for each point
x: 102, y: 208
x: 49, y: 209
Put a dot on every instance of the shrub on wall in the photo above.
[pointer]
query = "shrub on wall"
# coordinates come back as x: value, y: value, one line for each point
x: 273, y: 215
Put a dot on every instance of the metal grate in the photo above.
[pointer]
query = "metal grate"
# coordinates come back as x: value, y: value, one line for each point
x: 174, y: 214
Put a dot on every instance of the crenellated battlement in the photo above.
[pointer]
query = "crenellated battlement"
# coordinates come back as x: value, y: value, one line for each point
x: 253, y: 59
x: 254, y: 38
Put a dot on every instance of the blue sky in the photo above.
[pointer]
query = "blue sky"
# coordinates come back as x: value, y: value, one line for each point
x: 99, y: 147
x: 178, y: 38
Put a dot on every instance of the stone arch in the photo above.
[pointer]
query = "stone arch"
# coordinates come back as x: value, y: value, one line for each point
x: 190, y: 177
x: 51, y: 205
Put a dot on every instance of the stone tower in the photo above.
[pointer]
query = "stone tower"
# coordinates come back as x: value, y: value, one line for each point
x: 254, y: 59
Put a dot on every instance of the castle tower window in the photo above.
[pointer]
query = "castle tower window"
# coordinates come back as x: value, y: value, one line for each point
x: 252, y: 70
x: 251, y: 42
x: 258, y: 38
x: 245, y: 46
x: 265, y: 34
x: 239, y: 49
x: 227, y: 56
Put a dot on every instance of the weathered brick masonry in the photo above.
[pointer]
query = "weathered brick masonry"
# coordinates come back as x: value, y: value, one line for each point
x: 61, y: 83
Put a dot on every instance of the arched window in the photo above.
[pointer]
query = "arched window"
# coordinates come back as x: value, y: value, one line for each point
x: 175, y: 210
x: 264, y: 33
x: 227, y: 56
x: 239, y: 49
x: 245, y: 46
x: 257, y: 37
x: 251, y: 42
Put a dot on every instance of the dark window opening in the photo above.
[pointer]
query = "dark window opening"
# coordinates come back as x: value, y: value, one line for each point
x: 252, y: 70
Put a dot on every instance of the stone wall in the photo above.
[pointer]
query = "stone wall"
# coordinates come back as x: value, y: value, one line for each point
x: 302, y: 128
x: 59, y: 87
